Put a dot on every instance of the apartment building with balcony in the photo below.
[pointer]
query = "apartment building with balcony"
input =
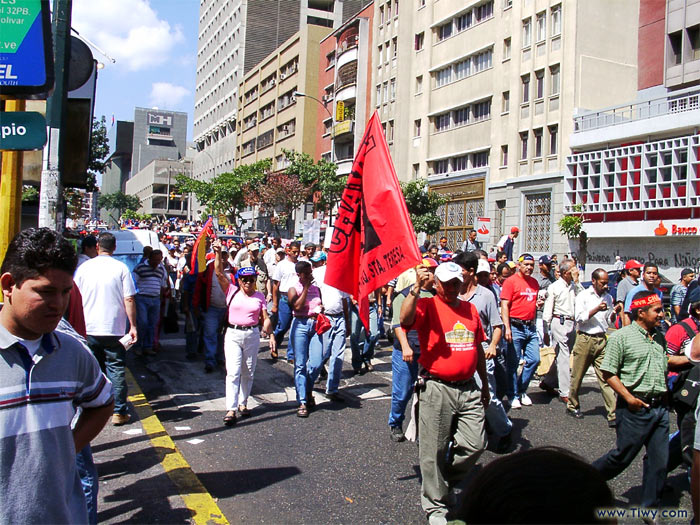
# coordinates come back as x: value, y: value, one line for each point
x: 345, y: 89
x: 483, y: 100
x: 634, y: 166
x: 155, y: 186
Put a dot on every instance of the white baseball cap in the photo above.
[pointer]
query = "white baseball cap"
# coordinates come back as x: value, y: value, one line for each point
x: 483, y: 266
x: 448, y: 271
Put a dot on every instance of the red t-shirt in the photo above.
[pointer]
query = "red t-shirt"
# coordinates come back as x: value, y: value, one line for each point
x: 521, y: 291
x: 449, y: 338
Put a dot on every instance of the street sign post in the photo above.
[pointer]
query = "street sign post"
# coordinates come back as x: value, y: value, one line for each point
x: 22, y: 130
x: 26, y: 49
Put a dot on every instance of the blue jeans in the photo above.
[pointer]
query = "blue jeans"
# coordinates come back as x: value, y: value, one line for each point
x: 111, y: 355
x: 525, y: 342
x: 403, y: 377
x: 498, y: 423
x: 211, y: 323
x: 88, y: 480
x: 646, y: 427
x: 333, y: 342
x: 358, y: 333
x: 284, y: 321
x: 307, y: 346
x: 147, y: 315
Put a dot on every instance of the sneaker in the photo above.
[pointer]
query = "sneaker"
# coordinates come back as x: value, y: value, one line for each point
x: 396, y: 434
x: 120, y: 419
x: 525, y: 400
x: 515, y: 403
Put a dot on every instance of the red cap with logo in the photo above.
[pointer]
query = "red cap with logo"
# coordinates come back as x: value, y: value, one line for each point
x: 632, y: 264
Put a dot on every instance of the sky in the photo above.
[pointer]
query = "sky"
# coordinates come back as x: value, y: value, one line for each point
x: 154, y: 44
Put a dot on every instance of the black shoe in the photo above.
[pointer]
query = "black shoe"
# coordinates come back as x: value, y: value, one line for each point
x: 323, y: 374
x: 358, y: 371
x: 575, y: 413
x: 368, y: 366
x: 549, y: 389
x: 208, y: 369
x: 504, y: 444
x: 335, y: 397
x: 229, y: 421
x: 396, y: 434
x: 612, y: 423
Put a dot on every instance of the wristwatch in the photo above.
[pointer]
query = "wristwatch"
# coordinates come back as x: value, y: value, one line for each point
x: 414, y: 293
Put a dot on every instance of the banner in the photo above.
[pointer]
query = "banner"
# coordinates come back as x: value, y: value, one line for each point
x: 372, y: 240
x: 483, y: 229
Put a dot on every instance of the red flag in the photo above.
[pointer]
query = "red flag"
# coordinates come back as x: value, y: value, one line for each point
x: 199, y: 251
x: 373, y: 239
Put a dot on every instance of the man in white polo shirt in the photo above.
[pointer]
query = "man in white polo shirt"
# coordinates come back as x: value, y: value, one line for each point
x: 108, y: 300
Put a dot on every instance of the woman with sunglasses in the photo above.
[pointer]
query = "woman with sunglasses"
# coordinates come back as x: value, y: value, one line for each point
x: 305, y: 300
x: 246, y: 310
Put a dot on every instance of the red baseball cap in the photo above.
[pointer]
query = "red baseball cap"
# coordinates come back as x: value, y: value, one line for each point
x: 515, y: 229
x: 633, y: 263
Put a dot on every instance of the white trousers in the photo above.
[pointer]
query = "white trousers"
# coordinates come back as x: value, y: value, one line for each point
x: 241, y: 351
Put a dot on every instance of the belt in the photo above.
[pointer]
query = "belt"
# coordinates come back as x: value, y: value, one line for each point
x: 430, y: 377
x: 341, y: 314
x: 242, y: 327
x: 590, y: 335
x: 522, y: 322
x: 311, y: 316
x: 653, y: 401
x: 566, y: 317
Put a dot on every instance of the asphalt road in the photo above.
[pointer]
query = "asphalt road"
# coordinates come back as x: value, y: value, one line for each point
x: 337, y: 466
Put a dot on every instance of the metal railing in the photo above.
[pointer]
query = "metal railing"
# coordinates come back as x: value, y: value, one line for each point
x: 657, y: 107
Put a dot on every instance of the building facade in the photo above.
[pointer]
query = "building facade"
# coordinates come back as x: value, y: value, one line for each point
x: 155, y: 185
x: 158, y: 134
x: 634, y: 167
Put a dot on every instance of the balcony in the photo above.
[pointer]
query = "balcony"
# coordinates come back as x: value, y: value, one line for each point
x: 342, y: 129
x: 674, y: 112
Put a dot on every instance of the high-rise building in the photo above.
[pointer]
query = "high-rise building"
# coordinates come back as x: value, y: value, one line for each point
x: 158, y: 134
x: 478, y: 97
x: 634, y: 169
x: 234, y: 37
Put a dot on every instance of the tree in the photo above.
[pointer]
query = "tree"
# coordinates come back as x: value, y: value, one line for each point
x: 30, y: 194
x: 73, y: 198
x: 119, y: 201
x: 226, y: 193
x: 572, y: 227
x: 320, y: 178
x: 279, y: 195
x: 99, y: 149
x: 422, y: 206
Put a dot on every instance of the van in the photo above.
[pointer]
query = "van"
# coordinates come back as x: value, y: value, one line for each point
x: 130, y: 244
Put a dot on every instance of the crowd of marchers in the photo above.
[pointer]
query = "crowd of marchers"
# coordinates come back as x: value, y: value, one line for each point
x: 468, y: 328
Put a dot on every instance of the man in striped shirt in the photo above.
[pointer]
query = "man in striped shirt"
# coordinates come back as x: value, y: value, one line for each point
x: 151, y: 280
x: 44, y: 376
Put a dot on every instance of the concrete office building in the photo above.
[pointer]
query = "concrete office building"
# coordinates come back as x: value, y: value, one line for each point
x: 234, y: 37
x: 635, y: 167
x: 158, y: 134
x: 478, y: 98
x: 117, y: 165
x: 155, y: 184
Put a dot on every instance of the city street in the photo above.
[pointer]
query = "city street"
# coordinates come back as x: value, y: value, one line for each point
x: 337, y: 466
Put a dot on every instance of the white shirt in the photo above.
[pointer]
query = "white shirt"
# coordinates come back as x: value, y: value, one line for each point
x: 332, y: 297
x: 237, y: 259
x: 285, y: 274
x: 585, y: 302
x: 560, y: 299
x: 104, y: 283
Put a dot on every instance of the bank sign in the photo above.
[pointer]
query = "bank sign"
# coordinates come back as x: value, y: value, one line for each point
x: 26, y: 48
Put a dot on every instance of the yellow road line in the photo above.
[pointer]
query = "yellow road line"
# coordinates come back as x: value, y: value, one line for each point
x: 203, y: 507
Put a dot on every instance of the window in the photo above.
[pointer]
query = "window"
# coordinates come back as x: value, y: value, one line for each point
x: 505, y: 102
x: 442, y: 122
x: 385, y: 93
x: 526, y: 88
x: 388, y: 11
x: 538, y: 142
x: 483, y: 11
x: 444, y: 31
x: 393, y: 89
x: 480, y: 159
x: 416, y: 128
x: 675, y: 42
x: 507, y: 4
x: 523, y: 145
x: 504, y: 155
x: 481, y: 110
x: 553, y: 147
x: 379, y: 54
x: 542, y: 26
x: 421, y: 3
x: 443, y: 76
x: 554, y: 77
x: 527, y: 32
x: 379, y: 94
x: 539, y: 78
x: 390, y: 132
x: 483, y: 60
x: 463, y: 68
x: 464, y: 21
x: 386, y: 52
x: 419, y: 41
x: 694, y: 40
x: 381, y: 15
x: 330, y: 59
x: 460, y: 163
x: 460, y: 116
x: 416, y: 169
x: 441, y: 166
x: 419, y: 84
x: 538, y: 227
x: 506, y: 48
x: 555, y: 15
x: 394, y: 47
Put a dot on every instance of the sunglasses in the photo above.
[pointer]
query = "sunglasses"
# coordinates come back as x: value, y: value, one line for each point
x: 248, y: 279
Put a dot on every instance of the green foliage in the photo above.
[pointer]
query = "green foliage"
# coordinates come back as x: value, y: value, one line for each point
x: 422, y: 206
x: 132, y: 215
x: 226, y: 193
x: 318, y: 177
x: 119, y: 201
x: 30, y: 194
x: 571, y: 225
x: 74, y: 202
x: 99, y: 149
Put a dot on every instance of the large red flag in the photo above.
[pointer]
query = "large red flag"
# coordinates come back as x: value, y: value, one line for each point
x: 199, y: 251
x: 373, y: 239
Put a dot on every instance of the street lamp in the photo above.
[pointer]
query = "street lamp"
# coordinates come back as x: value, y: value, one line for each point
x: 330, y: 115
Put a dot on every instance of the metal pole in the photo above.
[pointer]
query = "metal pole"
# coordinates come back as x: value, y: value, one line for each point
x: 51, y: 212
x: 10, y: 189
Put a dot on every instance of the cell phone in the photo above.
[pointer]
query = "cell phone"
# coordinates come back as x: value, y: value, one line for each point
x: 561, y: 320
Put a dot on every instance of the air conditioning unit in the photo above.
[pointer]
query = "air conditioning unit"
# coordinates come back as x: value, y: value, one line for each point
x: 283, y: 76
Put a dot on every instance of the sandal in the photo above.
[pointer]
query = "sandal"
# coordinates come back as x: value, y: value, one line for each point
x: 302, y: 411
x: 230, y: 420
x: 273, y: 354
x: 243, y: 411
